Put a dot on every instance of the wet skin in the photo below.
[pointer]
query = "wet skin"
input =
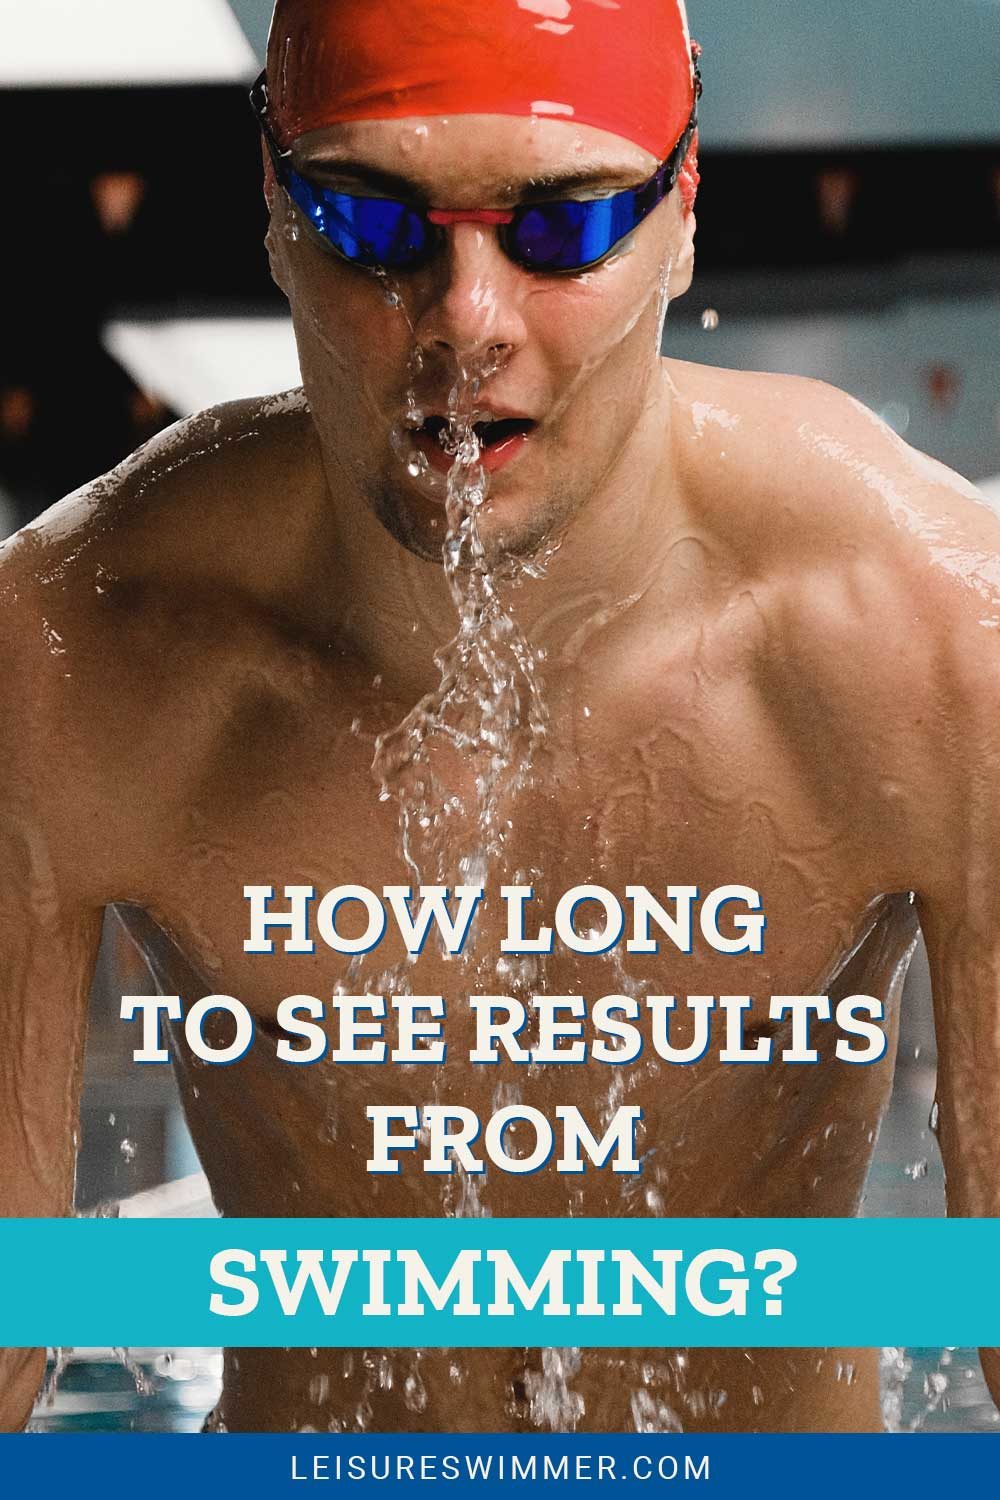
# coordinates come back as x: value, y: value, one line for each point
x: 771, y: 657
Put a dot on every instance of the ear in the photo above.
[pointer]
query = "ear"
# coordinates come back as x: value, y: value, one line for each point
x: 275, y: 238
x: 681, y: 242
x: 685, y: 262
x: 270, y: 181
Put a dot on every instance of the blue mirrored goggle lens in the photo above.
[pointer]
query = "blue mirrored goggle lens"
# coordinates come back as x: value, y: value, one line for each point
x: 368, y: 231
x: 568, y: 236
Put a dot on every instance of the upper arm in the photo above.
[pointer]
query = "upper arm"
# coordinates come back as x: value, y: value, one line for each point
x: 955, y: 860
x: 49, y: 927
x: 895, y: 630
x: 48, y: 947
x: 49, y: 937
x: 957, y: 879
x: 893, y: 569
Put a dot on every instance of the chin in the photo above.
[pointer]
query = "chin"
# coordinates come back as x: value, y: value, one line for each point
x: 528, y: 541
x: 512, y: 528
x: 408, y: 524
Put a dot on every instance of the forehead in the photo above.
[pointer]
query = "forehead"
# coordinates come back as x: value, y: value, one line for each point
x: 468, y: 161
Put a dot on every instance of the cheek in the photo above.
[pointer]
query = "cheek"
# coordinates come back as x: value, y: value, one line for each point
x: 348, y: 334
x: 333, y: 299
x: 586, y: 323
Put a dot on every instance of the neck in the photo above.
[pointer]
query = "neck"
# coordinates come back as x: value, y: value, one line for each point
x: 397, y: 610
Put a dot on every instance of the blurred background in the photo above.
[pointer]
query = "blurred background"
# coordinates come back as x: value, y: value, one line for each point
x: 849, y: 229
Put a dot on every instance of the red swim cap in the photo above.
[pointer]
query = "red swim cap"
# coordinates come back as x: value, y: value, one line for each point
x: 622, y: 65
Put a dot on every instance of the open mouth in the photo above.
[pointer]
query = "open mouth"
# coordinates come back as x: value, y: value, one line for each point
x: 500, y: 441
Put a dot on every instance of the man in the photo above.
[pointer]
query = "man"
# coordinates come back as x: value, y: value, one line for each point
x: 741, y: 633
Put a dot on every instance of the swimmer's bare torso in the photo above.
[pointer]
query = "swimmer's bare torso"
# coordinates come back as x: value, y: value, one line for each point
x: 792, y: 702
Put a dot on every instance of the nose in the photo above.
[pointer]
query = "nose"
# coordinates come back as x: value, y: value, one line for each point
x: 473, y: 308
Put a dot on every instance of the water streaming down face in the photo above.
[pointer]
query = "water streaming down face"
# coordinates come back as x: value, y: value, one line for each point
x: 488, y: 705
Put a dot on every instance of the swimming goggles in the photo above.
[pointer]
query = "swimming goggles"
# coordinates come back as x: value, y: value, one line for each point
x: 565, y: 235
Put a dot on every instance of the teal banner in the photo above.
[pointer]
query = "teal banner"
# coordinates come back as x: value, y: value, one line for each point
x: 480, y: 1283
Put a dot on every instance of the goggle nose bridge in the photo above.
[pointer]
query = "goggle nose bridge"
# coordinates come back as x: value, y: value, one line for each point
x: 442, y: 217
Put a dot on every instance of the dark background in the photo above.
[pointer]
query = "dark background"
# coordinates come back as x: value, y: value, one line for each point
x: 146, y: 203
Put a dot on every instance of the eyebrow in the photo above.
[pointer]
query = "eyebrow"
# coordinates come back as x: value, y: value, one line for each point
x: 536, y: 190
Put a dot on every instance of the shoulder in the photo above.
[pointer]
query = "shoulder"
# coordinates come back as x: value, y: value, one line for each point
x: 811, y: 457
x: 124, y: 606
x: 835, y: 514
x: 200, y: 511
x: 166, y: 501
x: 876, y: 572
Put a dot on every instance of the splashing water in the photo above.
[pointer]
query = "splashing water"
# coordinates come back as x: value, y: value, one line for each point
x: 651, y: 1414
x: 487, y: 712
x: 551, y: 1401
x: 488, y: 706
x: 894, y: 1368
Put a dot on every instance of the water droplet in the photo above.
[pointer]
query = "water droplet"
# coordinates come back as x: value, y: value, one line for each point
x: 710, y: 320
x: 897, y: 416
x: 651, y: 1415
x: 415, y: 1393
x: 127, y: 1149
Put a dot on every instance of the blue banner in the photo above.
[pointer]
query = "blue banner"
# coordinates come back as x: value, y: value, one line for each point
x: 156, y: 1467
x: 480, y: 1283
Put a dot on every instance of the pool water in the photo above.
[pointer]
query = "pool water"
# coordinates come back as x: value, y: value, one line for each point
x: 96, y: 1393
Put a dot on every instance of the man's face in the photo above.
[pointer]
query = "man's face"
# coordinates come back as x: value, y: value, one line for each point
x: 567, y: 363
